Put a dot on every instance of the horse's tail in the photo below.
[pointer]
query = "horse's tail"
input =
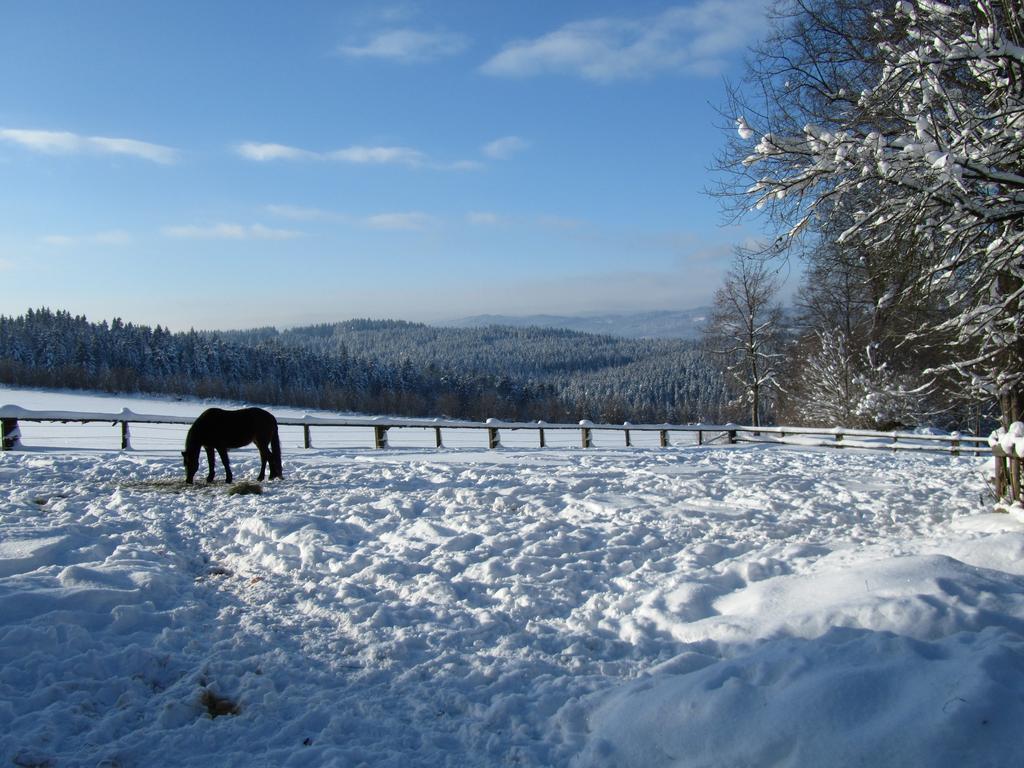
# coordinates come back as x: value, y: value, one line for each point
x: 275, y: 453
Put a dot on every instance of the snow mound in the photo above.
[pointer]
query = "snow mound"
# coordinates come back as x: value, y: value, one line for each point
x: 917, y: 596
x: 847, y: 698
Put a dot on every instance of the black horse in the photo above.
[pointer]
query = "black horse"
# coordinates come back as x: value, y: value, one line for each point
x: 222, y: 430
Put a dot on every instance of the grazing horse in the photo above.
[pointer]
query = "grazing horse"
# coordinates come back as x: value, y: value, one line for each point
x: 222, y: 430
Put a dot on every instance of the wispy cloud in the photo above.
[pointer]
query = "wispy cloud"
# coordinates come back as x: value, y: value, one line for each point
x: 230, y: 232
x: 354, y: 155
x: 379, y: 156
x: 696, y: 39
x: 409, y: 221
x: 484, y: 218
x: 109, y: 237
x: 301, y: 213
x: 68, y: 143
x: 402, y: 221
x: 406, y: 46
x: 252, y: 150
x: 504, y: 147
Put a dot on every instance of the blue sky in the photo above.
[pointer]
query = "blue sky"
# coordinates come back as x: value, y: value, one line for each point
x: 232, y: 164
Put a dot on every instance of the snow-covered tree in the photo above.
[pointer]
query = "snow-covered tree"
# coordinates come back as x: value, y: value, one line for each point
x: 744, y: 329
x: 933, y: 146
x: 888, y: 400
x: 830, y: 382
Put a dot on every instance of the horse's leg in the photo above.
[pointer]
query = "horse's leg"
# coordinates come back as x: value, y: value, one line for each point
x: 264, y: 459
x: 210, y: 463
x: 227, y: 465
x: 275, y: 455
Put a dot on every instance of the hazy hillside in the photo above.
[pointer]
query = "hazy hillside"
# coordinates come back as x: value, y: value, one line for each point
x: 666, y: 324
x: 596, y: 376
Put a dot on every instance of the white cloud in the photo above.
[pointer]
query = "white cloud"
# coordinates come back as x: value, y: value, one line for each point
x: 404, y: 220
x: 109, y: 237
x: 694, y: 39
x: 484, y: 218
x: 354, y: 155
x: 300, y: 213
x: 504, y: 147
x: 133, y: 147
x: 379, y: 156
x: 68, y: 143
x: 230, y: 232
x: 407, y: 46
x: 410, y: 221
x: 263, y: 152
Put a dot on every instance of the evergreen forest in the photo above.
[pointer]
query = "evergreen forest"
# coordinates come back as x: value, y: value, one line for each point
x: 375, y: 366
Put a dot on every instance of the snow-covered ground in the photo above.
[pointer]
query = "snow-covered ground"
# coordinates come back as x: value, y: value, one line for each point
x: 733, y: 606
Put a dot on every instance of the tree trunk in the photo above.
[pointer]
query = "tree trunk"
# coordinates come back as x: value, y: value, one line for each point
x: 1011, y: 406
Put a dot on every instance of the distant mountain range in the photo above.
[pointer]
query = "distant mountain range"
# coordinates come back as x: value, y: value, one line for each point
x: 664, y: 324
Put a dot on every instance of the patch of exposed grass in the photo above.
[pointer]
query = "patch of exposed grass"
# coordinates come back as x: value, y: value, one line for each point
x: 245, y: 488
x: 217, y: 706
x: 163, y: 485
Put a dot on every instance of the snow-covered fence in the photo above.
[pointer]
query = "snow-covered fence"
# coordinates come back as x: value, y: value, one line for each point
x: 954, y: 443
x: 1007, y: 476
x: 1008, y: 452
x: 376, y: 431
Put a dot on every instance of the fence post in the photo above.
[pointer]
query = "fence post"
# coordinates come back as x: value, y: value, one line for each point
x: 663, y: 438
x: 380, y: 437
x: 543, y: 444
x: 839, y: 438
x: 586, y: 439
x: 1000, y: 478
x: 732, y: 436
x: 307, y: 442
x: 954, y: 444
x: 437, y: 437
x: 125, y: 436
x: 1015, y: 478
x: 11, y: 434
x: 629, y: 440
x: 700, y: 437
x: 493, y: 439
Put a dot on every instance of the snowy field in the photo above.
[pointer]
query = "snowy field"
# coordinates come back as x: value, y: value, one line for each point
x: 730, y: 606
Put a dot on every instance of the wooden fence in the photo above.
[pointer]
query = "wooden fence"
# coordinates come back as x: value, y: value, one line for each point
x: 1007, y: 476
x: 954, y: 444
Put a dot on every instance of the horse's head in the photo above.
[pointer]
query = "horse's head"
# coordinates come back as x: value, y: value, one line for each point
x: 191, y: 465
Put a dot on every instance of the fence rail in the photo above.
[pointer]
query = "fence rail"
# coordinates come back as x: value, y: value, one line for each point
x: 11, y: 416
